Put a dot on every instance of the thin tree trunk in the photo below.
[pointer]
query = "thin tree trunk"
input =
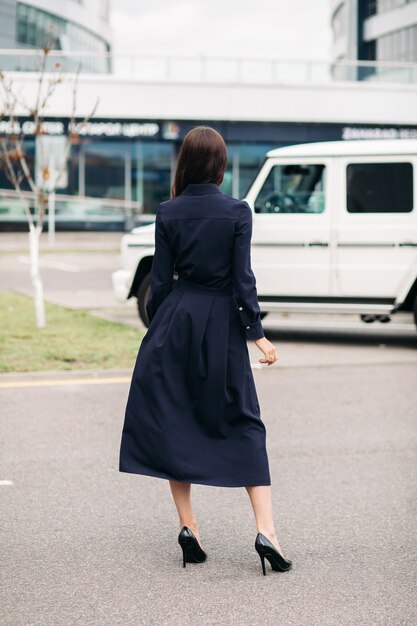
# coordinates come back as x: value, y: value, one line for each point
x: 34, y: 236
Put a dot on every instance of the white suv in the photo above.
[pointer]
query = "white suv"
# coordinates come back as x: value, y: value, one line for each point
x: 334, y: 231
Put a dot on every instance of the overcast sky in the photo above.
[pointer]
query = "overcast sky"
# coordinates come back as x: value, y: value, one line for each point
x: 286, y: 29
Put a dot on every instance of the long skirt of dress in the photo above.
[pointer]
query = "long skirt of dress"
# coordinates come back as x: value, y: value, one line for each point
x: 192, y: 412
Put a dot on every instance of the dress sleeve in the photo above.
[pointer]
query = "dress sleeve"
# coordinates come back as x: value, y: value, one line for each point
x: 244, y: 282
x: 162, y: 269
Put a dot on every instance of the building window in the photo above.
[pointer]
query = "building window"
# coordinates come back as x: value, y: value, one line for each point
x: 399, y: 45
x: 292, y: 188
x: 105, y: 169
x: 370, y: 7
x: 379, y: 187
x: 151, y: 164
x: 250, y: 159
x: 369, y: 51
x: 39, y: 29
x: 231, y: 178
x: 389, y: 5
x: 243, y: 163
x: 29, y: 150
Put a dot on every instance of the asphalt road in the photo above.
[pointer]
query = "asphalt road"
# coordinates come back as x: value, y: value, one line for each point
x: 81, y: 543
x: 75, y: 279
x: 84, y: 544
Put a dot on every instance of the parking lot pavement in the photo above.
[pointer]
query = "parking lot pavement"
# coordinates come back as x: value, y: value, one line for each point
x: 77, y: 279
x: 82, y: 543
x: 64, y: 241
x: 330, y: 347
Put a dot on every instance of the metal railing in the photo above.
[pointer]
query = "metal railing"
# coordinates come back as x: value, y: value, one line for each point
x: 210, y: 69
x: 77, y: 212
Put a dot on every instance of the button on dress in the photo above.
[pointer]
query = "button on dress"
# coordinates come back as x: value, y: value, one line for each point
x: 192, y: 412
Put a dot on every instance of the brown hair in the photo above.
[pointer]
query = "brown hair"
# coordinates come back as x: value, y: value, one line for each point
x: 202, y: 159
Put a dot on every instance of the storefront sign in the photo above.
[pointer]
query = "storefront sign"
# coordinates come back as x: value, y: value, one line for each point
x: 90, y: 129
x: 117, y: 129
x: 170, y: 130
x: 241, y: 132
x: 349, y: 133
x: 28, y: 128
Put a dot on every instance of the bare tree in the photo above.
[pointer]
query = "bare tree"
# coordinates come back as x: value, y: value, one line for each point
x: 14, y: 160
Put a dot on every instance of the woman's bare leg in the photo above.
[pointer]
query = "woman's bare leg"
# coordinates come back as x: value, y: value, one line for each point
x: 261, y: 500
x: 181, y: 492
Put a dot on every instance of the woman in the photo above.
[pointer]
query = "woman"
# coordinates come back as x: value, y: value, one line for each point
x: 192, y: 413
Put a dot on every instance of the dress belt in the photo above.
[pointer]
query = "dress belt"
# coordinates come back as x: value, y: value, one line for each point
x: 188, y: 285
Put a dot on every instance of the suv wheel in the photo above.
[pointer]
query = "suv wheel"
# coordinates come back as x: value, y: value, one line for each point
x: 142, y: 295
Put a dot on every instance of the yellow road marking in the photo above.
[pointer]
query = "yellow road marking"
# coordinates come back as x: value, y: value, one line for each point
x: 73, y: 381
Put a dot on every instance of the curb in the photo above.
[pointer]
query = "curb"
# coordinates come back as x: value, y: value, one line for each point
x: 63, y: 375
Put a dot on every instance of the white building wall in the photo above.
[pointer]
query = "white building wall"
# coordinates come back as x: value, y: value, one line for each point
x: 344, y: 102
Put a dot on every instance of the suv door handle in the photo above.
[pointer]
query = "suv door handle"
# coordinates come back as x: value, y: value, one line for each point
x: 318, y: 243
x: 403, y: 244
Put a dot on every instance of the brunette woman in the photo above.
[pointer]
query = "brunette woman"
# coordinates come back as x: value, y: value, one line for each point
x: 192, y: 413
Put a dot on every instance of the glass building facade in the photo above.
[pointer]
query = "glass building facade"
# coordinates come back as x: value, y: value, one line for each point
x: 378, y: 31
x: 372, y: 7
x: 141, y: 172
x: 38, y: 29
x: 66, y: 27
x: 115, y: 182
x: 399, y: 45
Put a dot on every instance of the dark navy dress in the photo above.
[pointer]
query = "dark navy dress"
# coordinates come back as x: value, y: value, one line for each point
x: 192, y: 412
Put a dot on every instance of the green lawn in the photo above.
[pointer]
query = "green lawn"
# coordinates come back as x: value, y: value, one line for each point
x: 70, y: 340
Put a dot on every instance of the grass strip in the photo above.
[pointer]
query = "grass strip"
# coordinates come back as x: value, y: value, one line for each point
x: 71, y: 339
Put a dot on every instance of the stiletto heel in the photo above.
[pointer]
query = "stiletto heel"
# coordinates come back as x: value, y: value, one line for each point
x: 267, y: 550
x: 192, y: 552
x: 263, y: 563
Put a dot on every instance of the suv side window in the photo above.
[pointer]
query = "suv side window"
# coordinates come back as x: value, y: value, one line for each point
x: 293, y: 188
x: 379, y: 187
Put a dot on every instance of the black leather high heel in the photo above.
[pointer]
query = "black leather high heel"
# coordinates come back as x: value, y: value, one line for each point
x: 192, y: 552
x: 267, y: 550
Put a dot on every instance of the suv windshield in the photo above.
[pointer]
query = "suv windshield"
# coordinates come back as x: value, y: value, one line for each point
x: 292, y: 188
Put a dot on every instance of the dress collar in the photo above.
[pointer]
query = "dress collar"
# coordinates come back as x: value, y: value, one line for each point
x: 201, y: 189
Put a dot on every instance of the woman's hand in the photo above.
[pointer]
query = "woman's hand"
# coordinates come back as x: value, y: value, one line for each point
x: 268, y: 349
